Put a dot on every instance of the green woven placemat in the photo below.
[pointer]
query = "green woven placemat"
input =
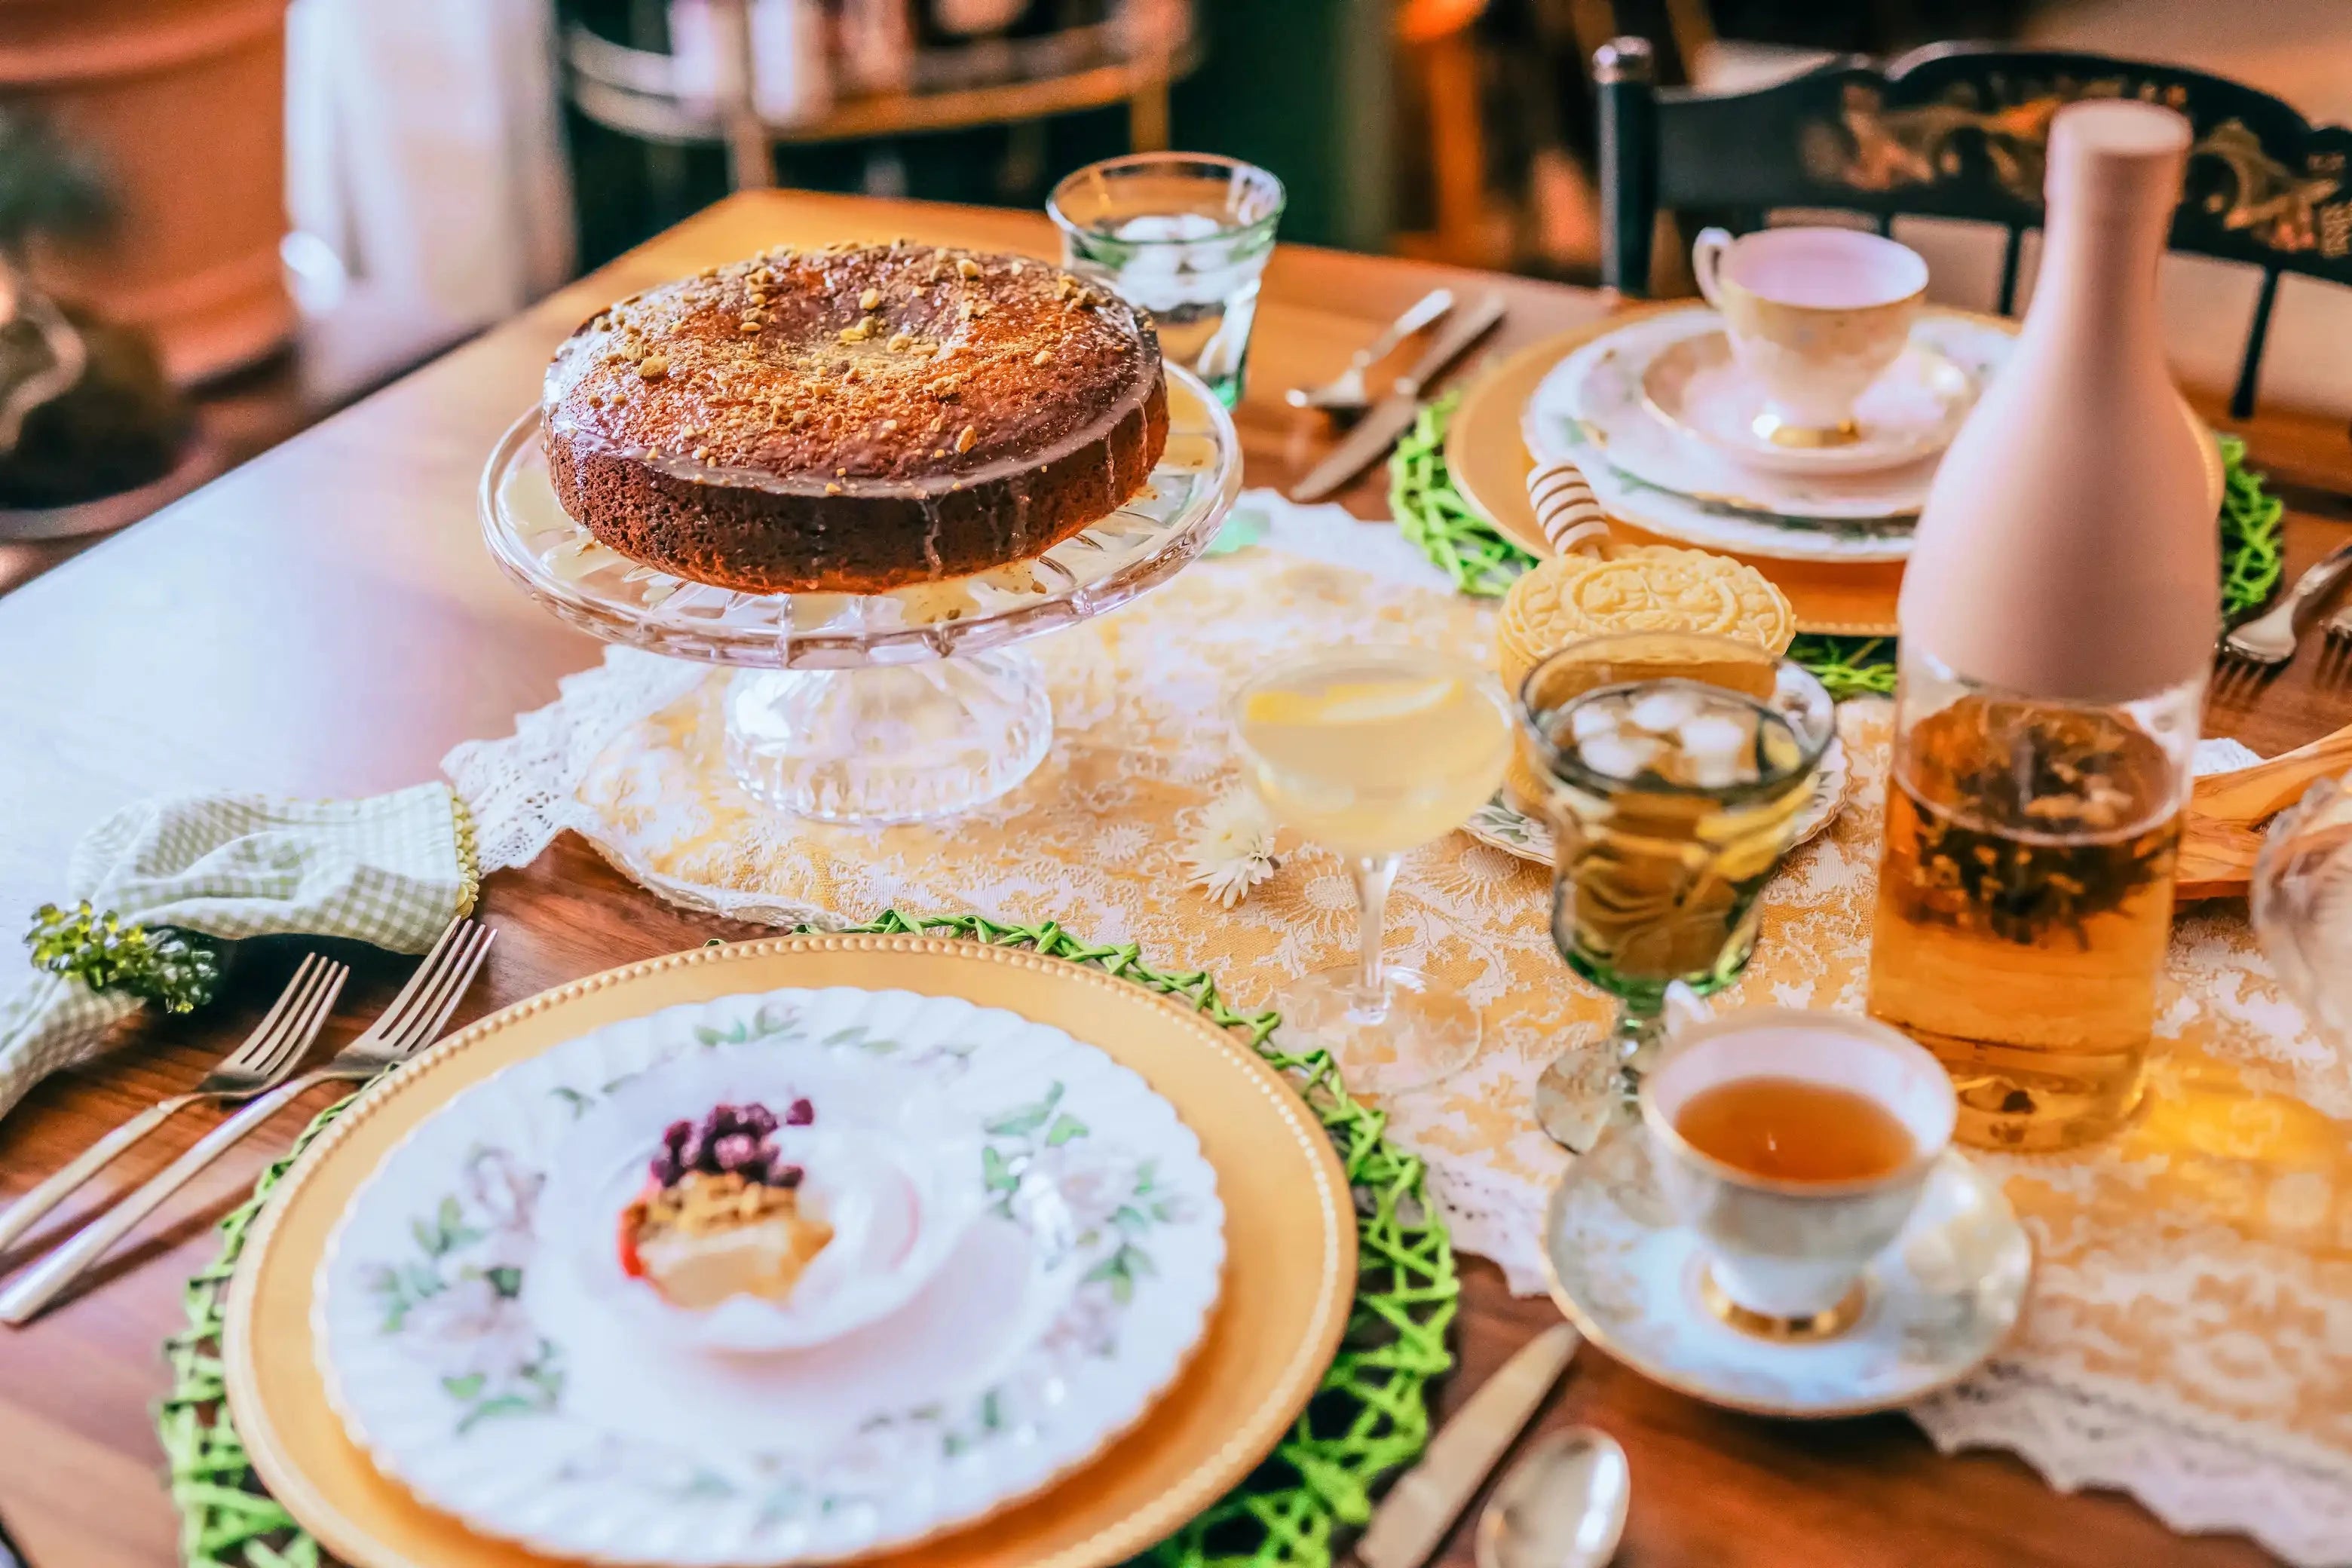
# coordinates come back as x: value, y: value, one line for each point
x: 1371, y: 1415
x: 1479, y: 561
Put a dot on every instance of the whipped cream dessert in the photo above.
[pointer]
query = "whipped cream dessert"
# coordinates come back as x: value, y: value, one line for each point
x: 722, y: 1213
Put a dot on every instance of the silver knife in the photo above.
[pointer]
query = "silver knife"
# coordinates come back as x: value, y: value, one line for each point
x: 1427, y: 1498
x: 1393, y: 414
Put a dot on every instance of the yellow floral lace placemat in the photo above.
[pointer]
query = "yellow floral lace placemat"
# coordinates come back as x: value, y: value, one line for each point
x: 2190, y: 1335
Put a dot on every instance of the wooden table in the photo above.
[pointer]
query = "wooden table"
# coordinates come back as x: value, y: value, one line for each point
x: 324, y: 621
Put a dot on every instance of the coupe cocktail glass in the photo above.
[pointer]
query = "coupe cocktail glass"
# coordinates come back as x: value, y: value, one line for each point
x: 1371, y: 753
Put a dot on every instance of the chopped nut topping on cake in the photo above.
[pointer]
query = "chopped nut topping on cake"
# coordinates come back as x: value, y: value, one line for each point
x: 762, y: 370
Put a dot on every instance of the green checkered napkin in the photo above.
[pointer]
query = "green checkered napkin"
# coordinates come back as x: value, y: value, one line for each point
x: 390, y: 871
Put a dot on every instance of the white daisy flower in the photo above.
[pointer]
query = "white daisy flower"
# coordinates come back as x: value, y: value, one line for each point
x: 1231, y: 846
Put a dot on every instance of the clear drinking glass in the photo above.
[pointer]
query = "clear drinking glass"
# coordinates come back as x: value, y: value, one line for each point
x: 1674, y: 766
x: 1183, y: 235
x: 1372, y: 752
x: 2302, y: 905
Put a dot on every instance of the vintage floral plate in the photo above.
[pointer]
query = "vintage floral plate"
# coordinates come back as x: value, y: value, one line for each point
x: 466, y: 1360
x: 1499, y: 825
x: 1939, y: 1301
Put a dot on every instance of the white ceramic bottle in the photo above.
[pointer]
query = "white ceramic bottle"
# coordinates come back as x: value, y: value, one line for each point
x: 2058, y: 617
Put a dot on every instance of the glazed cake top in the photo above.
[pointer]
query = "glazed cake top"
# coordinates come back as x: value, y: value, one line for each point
x: 855, y: 369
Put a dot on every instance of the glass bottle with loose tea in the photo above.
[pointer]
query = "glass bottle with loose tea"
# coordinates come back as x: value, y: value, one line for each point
x: 2058, y: 617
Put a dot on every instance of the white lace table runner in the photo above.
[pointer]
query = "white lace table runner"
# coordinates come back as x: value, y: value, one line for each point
x: 2190, y: 1335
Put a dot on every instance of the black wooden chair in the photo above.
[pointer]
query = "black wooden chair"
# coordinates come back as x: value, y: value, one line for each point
x: 1957, y: 130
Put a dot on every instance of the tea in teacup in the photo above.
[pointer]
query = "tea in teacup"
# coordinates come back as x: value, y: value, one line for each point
x: 1814, y: 316
x: 1795, y: 1144
x: 1795, y: 1129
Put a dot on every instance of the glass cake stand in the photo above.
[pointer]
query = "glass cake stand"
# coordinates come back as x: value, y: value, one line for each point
x: 880, y: 708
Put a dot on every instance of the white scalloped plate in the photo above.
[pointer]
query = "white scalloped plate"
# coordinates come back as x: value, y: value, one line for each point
x: 466, y: 1358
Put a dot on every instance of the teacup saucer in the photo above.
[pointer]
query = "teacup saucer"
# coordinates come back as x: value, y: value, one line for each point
x: 1934, y: 1307
x: 1909, y: 413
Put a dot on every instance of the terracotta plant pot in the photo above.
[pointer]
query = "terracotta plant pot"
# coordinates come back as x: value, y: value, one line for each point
x: 182, y: 101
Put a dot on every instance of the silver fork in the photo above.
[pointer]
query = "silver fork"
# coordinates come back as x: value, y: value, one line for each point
x: 1346, y: 395
x: 2338, y: 629
x: 414, y: 1019
x: 268, y: 1054
x: 2270, y: 639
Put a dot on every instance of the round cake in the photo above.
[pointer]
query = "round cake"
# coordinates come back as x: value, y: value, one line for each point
x: 854, y: 418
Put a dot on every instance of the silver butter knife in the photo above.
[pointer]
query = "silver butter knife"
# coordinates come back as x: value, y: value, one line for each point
x: 1391, y: 417
x: 1427, y: 1498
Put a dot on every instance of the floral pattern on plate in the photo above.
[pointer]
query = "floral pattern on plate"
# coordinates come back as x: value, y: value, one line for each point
x: 467, y: 1359
x: 1591, y: 408
x: 1942, y: 1298
x: 1503, y: 825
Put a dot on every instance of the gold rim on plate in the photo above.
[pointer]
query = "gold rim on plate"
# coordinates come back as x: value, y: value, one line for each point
x: 1290, y: 1270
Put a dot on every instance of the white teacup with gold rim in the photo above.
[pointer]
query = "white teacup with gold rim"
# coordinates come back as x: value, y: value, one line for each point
x: 1794, y: 1145
x: 1814, y: 316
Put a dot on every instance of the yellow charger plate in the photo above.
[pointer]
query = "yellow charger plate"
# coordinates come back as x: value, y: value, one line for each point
x: 1290, y: 1239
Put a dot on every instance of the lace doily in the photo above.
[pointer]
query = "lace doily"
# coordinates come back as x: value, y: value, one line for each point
x: 2190, y: 1336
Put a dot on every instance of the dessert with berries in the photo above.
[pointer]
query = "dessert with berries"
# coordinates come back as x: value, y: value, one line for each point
x: 722, y: 1213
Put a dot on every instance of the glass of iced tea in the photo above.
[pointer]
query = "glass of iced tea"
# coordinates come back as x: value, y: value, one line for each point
x: 1673, y: 767
x: 1371, y: 753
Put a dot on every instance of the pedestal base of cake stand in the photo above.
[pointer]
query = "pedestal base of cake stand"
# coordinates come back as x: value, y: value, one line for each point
x: 887, y: 743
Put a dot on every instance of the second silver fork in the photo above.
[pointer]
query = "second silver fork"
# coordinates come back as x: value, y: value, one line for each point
x: 413, y: 1021
x: 276, y: 1044
x: 2270, y: 639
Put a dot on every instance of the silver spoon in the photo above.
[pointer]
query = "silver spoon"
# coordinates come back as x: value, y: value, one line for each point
x: 1346, y: 394
x: 1561, y: 1506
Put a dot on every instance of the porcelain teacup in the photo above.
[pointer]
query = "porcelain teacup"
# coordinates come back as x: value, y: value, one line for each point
x: 1785, y: 1259
x: 1813, y: 316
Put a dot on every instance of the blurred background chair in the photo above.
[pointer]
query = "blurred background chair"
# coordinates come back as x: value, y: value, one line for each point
x: 1955, y: 132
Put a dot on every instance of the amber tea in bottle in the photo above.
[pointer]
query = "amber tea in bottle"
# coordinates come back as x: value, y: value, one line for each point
x: 2024, y: 900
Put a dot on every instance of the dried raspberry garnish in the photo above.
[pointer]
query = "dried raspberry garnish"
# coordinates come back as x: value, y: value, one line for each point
x: 785, y: 1177
x: 800, y: 1114
x: 734, y: 1151
x: 757, y: 1119
x: 675, y: 1135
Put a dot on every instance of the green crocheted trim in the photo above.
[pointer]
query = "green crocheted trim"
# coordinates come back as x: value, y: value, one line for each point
x: 1435, y: 515
x: 226, y: 1521
x: 1369, y: 1417
x: 1479, y: 561
x: 2254, y: 533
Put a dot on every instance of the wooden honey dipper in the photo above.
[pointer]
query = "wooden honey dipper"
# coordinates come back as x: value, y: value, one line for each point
x: 1566, y: 508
